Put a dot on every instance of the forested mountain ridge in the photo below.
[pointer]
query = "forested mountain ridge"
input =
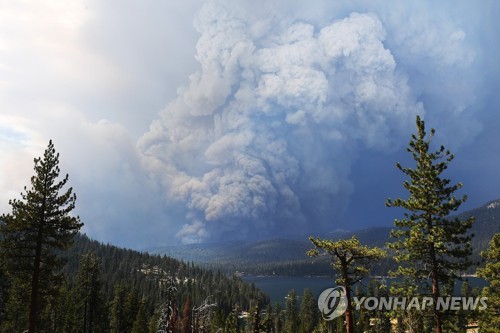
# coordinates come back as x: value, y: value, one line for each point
x: 288, y: 256
x: 486, y: 225
x: 53, y: 279
x: 145, y: 272
x: 131, y: 288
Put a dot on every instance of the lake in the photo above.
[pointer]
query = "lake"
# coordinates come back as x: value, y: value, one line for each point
x: 277, y: 287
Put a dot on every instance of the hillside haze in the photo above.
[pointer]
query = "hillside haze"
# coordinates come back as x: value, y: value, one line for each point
x: 288, y: 256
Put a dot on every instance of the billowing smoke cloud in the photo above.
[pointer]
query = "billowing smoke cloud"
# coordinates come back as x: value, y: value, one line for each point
x: 262, y: 140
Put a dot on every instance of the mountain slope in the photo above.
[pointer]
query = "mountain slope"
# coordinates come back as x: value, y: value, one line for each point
x: 146, y: 273
x: 285, y: 256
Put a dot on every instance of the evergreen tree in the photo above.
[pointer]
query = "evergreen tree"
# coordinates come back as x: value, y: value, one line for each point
x: 119, y: 320
x: 429, y: 243
x: 130, y: 310
x: 308, y: 312
x: 267, y: 323
x: 463, y: 317
x: 38, y: 227
x: 231, y: 325
x: 278, y: 319
x: 141, y: 323
x: 16, y: 314
x: 67, y: 317
x: 489, y: 319
x: 323, y: 327
x: 4, y: 287
x: 153, y: 323
x: 352, y: 261
x: 88, y: 293
x: 291, y: 312
x: 375, y: 321
x: 217, y: 321
x: 362, y: 316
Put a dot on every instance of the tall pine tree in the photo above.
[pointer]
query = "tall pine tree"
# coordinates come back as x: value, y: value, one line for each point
x: 37, y: 229
x: 489, y: 319
x: 88, y: 294
x: 352, y: 262
x: 308, y: 312
x: 291, y: 312
x: 430, y: 244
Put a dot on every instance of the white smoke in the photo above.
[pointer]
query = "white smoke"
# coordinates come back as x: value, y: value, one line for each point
x: 262, y: 140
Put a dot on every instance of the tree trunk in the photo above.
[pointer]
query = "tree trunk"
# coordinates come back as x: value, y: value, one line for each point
x: 256, y: 320
x: 435, y: 289
x: 348, y: 312
x: 34, y: 283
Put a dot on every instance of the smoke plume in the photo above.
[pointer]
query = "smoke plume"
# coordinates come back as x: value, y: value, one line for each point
x: 261, y: 141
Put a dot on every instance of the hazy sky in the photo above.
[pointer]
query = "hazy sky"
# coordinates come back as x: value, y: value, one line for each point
x: 200, y: 121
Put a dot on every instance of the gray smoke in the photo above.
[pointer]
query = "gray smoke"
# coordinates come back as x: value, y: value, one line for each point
x: 261, y: 141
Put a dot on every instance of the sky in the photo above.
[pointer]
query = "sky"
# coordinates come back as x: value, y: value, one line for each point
x: 208, y: 121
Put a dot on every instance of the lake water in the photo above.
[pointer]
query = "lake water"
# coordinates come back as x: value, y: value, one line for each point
x: 277, y: 287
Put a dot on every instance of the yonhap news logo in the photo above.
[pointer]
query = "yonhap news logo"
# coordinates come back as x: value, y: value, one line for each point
x: 332, y: 303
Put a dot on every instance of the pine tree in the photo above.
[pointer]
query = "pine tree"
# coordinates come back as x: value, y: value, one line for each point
x: 130, y: 309
x: 278, y: 318
x: 119, y: 320
x: 231, y: 325
x: 4, y: 287
x: 256, y: 324
x: 140, y: 323
x: 267, y: 323
x: 291, y: 312
x: 39, y: 226
x: 308, y: 312
x: 429, y: 243
x: 489, y: 319
x: 362, y: 316
x: 67, y: 317
x: 324, y: 327
x: 17, y: 303
x: 153, y: 323
x: 88, y: 293
x: 352, y: 261
x: 463, y: 317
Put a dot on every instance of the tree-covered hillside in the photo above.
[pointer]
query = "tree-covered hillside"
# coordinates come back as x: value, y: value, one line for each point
x: 144, y: 272
x: 288, y: 256
x: 148, y: 275
x: 133, y: 285
x: 54, y: 280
